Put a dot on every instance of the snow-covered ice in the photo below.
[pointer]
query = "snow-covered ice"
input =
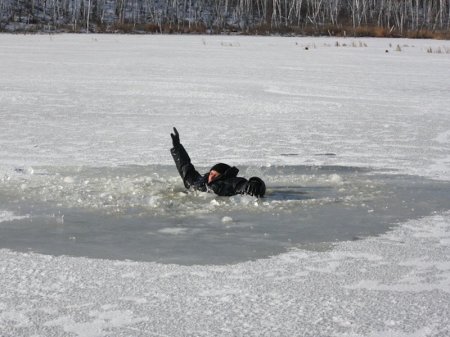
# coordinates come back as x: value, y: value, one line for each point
x: 71, y: 103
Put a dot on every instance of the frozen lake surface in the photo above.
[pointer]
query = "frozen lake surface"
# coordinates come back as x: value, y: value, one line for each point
x: 351, y: 135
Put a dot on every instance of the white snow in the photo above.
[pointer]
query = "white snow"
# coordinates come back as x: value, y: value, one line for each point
x: 9, y: 216
x: 172, y: 230
x: 108, y: 100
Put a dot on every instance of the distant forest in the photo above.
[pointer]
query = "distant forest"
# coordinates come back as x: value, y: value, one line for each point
x: 410, y: 18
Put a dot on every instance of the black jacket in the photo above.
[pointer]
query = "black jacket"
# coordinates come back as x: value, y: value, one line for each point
x: 227, y: 184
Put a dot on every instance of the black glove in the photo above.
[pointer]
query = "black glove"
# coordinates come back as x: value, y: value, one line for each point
x: 175, y: 138
x: 255, y: 187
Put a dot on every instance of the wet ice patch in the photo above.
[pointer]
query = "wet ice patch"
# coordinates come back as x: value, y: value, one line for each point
x: 145, y: 213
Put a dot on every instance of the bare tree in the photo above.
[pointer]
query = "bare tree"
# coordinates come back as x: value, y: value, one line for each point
x: 398, y: 15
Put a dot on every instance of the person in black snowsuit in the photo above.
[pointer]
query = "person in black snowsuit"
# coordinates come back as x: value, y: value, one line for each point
x: 221, y: 179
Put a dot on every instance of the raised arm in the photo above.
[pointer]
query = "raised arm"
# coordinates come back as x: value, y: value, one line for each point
x: 187, y: 171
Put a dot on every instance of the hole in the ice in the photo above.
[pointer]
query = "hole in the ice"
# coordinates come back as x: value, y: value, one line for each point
x: 144, y: 213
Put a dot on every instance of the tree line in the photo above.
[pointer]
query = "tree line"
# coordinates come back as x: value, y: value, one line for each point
x: 246, y: 16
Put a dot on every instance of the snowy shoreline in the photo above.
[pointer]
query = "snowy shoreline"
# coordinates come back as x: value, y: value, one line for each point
x: 107, y: 101
x: 397, y: 284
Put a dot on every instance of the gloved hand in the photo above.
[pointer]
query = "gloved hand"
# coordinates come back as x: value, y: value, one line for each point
x: 255, y: 187
x: 175, y: 138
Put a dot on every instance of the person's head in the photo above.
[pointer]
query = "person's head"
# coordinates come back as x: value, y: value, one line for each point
x: 216, y: 171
